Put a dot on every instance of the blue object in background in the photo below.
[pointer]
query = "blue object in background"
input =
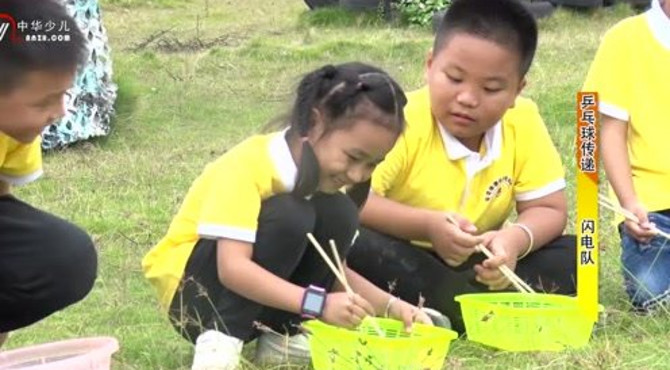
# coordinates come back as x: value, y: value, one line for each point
x: 90, y: 102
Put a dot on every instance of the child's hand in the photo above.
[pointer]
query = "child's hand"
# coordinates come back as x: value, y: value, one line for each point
x: 346, y: 311
x: 488, y: 272
x: 645, y: 230
x: 453, y: 243
x: 408, y: 314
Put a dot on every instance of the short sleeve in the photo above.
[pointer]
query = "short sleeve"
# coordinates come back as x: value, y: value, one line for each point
x: 386, y: 175
x: 609, y: 75
x: 23, y: 164
x: 538, y: 167
x: 231, y: 204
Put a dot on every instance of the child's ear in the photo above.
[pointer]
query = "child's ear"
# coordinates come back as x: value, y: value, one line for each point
x: 522, y: 85
x: 319, y: 127
x: 429, y: 63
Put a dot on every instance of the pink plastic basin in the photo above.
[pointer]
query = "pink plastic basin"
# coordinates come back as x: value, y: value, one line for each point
x: 74, y: 354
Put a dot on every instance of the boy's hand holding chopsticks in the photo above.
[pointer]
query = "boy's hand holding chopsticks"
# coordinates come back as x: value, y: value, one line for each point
x: 498, y: 258
x: 637, y: 222
x: 489, y: 271
x: 643, y: 230
x: 453, y: 240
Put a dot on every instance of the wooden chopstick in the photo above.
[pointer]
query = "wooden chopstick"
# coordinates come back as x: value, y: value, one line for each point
x: 336, y: 254
x: 609, y: 204
x: 339, y: 272
x: 518, y: 283
x: 336, y: 271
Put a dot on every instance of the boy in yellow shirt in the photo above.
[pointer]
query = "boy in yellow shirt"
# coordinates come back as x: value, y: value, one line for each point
x: 474, y: 149
x: 46, y: 263
x: 631, y: 73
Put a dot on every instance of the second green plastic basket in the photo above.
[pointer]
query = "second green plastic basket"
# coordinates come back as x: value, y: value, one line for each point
x: 334, y: 348
x: 525, y: 322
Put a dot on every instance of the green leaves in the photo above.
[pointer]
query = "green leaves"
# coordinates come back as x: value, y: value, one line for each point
x: 419, y: 12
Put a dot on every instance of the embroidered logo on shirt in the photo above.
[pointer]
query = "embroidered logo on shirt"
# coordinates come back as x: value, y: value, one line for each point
x: 496, y: 188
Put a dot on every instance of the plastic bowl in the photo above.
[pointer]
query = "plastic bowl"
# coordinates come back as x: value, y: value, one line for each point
x: 525, y: 322
x: 74, y: 354
x: 334, y: 348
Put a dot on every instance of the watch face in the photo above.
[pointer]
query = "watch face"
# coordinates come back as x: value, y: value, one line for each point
x: 313, y: 303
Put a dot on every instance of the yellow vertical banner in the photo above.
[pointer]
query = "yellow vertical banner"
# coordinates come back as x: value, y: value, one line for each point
x: 587, y: 202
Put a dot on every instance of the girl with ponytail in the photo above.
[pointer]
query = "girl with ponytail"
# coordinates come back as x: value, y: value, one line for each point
x: 237, y: 251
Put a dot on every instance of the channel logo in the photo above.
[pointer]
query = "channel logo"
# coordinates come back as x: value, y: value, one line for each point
x: 8, y: 29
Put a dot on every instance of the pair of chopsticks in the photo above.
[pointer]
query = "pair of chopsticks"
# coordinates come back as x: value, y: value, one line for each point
x: 616, y: 208
x: 338, y: 271
x: 518, y: 283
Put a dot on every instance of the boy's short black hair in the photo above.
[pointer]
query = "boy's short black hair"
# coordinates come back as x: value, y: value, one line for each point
x: 19, y: 56
x: 505, y: 22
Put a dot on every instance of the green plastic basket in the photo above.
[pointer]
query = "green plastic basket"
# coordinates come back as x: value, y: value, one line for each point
x: 525, y: 322
x: 334, y: 348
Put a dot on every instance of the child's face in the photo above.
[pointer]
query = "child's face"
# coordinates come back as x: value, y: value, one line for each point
x: 472, y: 82
x: 349, y: 155
x: 36, y: 103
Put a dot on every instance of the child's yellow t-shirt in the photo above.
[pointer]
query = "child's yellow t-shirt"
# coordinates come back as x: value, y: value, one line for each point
x: 223, y: 202
x: 631, y: 73
x: 430, y: 169
x: 19, y: 163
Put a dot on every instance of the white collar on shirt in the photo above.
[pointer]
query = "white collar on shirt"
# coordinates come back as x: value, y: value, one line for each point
x: 659, y: 23
x: 281, y: 156
x: 474, y: 163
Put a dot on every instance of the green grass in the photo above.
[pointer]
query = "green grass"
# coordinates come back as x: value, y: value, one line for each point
x: 179, y: 109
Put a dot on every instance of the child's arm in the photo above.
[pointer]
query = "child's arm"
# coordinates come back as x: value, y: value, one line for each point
x: 614, y: 149
x: 452, y: 243
x: 245, y: 277
x: 379, y: 299
x: 402, y: 221
x: 545, y: 217
x: 396, y: 219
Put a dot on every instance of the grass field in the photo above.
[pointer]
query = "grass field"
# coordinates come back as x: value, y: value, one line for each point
x: 216, y: 72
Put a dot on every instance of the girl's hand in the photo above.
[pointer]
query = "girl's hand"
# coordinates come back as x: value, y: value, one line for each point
x: 408, y: 314
x: 645, y: 230
x: 454, y: 244
x: 346, y: 311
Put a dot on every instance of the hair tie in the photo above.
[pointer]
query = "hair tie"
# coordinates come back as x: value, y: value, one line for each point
x: 362, y: 86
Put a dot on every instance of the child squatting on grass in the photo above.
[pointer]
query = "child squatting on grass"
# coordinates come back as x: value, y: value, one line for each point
x: 237, y: 251
x: 46, y: 263
x: 631, y: 73
x: 475, y: 149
